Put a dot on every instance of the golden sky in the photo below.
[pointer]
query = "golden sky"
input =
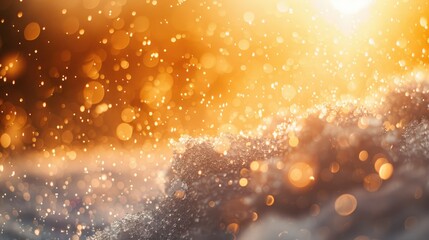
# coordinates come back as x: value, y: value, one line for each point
x: 125, y: 72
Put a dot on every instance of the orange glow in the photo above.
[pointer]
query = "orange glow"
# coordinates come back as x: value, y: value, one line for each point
x: 254, y: 166
x: 5, y: 140
x: 212, y: 74
x: 293, y: 141
x: 120, y: 40
x: 350, y: 6
x: 128, y: 115
x: 300, y: 174
x: 232, y: 228
x: 380, y: 162
x: 243, y: 182
x: 124, y: 131
x: 363, y: 155
x: 269, y: 201
x: 386, y: 171
x: 32, y: 31
x: 93, y: 92
x: 372, y: 182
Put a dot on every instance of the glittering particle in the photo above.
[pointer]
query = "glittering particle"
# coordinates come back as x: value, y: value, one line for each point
x: 267, y: 68
x: 288, y: 92
x: 269, y: 200
x: 5, y: 140
x: 128, y: 115
x: 424, y: 22
x: 372, y: 182
x: 222, y: 145
x: 32, y: 31
x: 300, y: 174
x: 402, y: 43
x: 93, y: 92
x: 125, y: 64
x: 208, y: 60
x: 249, y: 17
x: 363, y: 155
x: 243, y: 182
x: 386, y: 171
x: 71, y: 155
x: 232, y: 228
x: 363, y: 123
x: 92, y: 66
x: 141, y: 24
x: 124, y: 131
x: 243, y: 44
x: 345, y: 204
x: 180, y: 194
x: 380, y: 162
x: 293, y: 141
x: 335, y: 167
x: 120, y: 40
x: 254, y: 216
x: 151, y: 58
x: 254, y: 166
x: 158, y: 92
x: 26, y: 196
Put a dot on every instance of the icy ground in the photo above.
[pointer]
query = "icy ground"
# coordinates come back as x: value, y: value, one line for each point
x: 336, y: 172
x: 319, y: 177
x: 50, y: 198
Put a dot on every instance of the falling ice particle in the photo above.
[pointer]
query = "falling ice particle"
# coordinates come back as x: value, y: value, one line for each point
x: 345, y: 204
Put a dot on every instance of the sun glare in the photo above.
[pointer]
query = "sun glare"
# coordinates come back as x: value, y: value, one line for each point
x: 348, y: 7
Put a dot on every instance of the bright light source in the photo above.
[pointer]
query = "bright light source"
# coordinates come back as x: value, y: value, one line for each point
x: 348, y: 7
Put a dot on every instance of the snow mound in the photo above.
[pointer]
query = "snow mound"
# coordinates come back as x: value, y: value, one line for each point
x: 339, y: 172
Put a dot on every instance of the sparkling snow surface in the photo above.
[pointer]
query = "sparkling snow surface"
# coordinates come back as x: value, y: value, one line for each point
x: 350, y: 176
